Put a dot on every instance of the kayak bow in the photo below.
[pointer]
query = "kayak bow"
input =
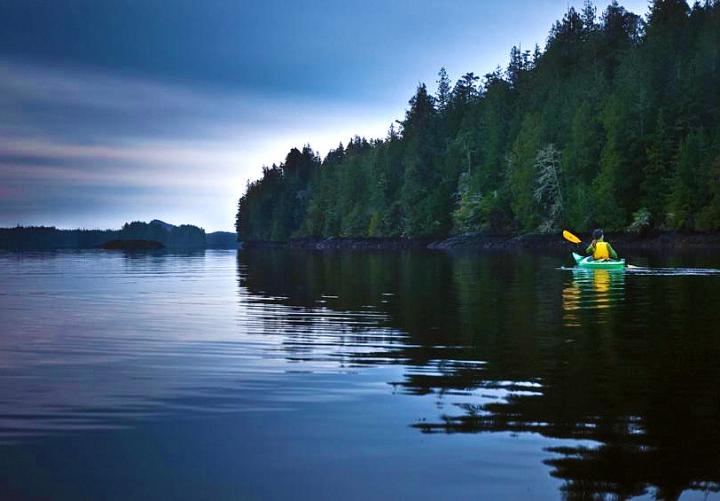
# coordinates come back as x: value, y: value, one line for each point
x: 589, y: 263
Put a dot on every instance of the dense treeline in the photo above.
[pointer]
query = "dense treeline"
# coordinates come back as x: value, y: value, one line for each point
x: 614, y: 124
x: 184, y: 235
x: 48, y: 237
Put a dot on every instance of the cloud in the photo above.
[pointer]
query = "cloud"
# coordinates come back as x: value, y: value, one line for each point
x: 67, y: 134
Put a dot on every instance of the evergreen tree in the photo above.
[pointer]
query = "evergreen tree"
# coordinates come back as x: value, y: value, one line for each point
x: 521, y: 170
x: 655, y: 184
x: 689, y: 187
x: 580, y: 164
x: 709, y: 216
x: 587, y: 16
x: 608, y: 211
x: 548, y: 189
x: 442, y: 97
x: 417, y: 198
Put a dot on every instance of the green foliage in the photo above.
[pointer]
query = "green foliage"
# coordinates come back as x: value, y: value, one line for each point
x: 607, y: 211
x: 630, y: 108
x: 467, y: 217
x: 521, y: 172
x: 275, y: 207
x: 689, y: 187
x: 548, y: 189
x: 640, y: 220
x: 655, y: 185
x: 709, y: 216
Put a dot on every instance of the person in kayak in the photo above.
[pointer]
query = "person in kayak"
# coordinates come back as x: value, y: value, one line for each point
x: 599, y: 248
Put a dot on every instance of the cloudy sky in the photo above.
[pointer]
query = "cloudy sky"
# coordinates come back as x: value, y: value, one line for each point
x: 119, y: 110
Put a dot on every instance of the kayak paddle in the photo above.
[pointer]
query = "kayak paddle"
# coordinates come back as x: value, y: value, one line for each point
x: 570, y: 237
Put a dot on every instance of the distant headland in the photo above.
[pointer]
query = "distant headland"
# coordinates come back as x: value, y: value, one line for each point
x: 170, y: 236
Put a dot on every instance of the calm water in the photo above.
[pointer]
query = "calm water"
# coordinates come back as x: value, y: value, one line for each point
x: 271, y: 375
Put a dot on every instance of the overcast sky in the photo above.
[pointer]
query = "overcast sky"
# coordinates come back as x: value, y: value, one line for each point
x: 120, y: 110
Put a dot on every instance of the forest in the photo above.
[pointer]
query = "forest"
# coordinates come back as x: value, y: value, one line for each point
x: 614, y: 123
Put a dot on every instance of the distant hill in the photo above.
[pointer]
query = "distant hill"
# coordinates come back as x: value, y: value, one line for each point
x: 163, y: 224
x: 221, y: 240
x: 48, y: 237
x: 184, y: 236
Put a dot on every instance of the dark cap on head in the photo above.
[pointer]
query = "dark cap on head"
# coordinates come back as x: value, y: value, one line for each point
x: 597, y: 234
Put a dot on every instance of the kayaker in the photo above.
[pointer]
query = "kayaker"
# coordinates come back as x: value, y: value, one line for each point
x: 599, y: 248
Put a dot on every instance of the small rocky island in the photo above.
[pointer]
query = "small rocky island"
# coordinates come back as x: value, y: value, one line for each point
x: 134, y: 245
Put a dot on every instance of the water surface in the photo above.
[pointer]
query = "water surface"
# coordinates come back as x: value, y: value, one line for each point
x: 276, y: 374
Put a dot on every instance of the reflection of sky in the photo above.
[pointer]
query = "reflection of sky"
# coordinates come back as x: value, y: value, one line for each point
x: 112, y: 111
x: 101, y: 339
x: 95, y: 340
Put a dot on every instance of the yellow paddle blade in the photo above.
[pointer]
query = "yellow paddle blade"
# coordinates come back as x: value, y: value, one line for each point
x: 570, y: 237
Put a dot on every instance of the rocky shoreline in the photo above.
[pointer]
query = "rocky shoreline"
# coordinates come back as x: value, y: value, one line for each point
x: 482, y: 242
x: 627, y: 241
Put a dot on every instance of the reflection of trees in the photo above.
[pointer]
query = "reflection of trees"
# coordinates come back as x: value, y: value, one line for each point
x: 621, y: 362
x: 377, y: 285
